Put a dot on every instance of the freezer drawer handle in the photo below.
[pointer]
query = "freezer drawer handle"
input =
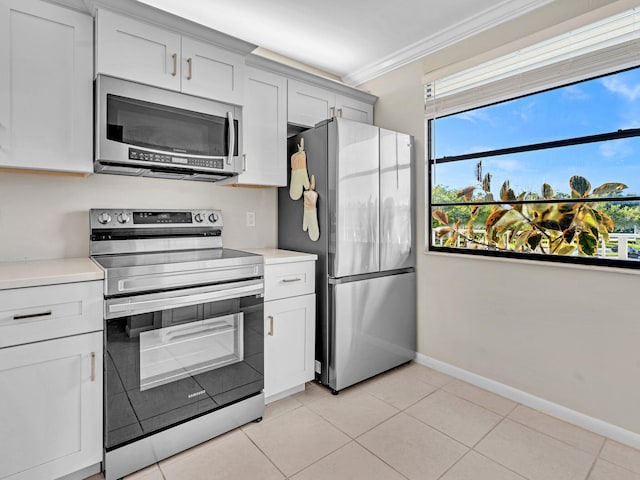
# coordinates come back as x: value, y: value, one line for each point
x: 291, y: 280
x: 32, y: 315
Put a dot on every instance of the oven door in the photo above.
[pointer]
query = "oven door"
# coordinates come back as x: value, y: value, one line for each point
x: 173, y: 356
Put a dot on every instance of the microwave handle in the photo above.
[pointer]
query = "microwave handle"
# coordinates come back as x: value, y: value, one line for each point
x: 232, y: 138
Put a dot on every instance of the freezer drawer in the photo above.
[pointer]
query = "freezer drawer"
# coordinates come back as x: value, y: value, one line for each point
x: 373, y: 327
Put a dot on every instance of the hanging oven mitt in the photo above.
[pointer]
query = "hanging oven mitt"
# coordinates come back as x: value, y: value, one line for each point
x: 310, y: 215
x: 299, y: 175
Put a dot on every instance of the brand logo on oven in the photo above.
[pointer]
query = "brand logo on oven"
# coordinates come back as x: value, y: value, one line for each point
x: 195, y: 394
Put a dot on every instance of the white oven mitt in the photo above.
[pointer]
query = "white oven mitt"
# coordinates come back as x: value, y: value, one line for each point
x: 299, y: 175
x: 310, y: 215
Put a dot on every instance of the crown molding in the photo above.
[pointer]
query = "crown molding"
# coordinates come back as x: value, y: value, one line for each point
x: 500, y: 13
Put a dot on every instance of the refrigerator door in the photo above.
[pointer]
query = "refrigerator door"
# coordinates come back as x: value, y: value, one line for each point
x: 374, y: 327
x: 396, y: 201
x: 354, y: 204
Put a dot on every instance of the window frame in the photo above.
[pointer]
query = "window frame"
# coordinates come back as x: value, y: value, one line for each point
x: 432, y: 162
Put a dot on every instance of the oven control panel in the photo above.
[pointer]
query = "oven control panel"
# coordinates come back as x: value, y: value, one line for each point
x: 110, y: 218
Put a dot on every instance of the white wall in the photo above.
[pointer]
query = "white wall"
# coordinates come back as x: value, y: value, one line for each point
x: 568, y: 335
x: 47, y: 216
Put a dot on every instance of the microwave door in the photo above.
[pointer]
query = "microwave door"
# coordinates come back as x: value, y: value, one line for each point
x: 153, y: 131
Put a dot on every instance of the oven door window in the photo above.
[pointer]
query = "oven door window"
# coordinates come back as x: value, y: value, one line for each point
x: 168, y: 129
x: 171, y: 353
x: 168, y: 366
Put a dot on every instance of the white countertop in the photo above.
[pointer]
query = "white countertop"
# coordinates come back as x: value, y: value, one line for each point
x: 48, y: 272
x: 274, y: 256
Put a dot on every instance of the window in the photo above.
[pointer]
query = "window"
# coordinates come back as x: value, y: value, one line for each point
x: 553, y: 175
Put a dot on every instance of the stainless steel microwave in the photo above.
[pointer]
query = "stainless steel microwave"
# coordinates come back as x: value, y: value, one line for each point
x: 148, y: 131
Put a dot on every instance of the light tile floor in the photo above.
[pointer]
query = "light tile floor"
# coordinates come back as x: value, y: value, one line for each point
x: 409, y: 423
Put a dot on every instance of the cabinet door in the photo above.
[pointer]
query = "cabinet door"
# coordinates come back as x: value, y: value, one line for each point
x: 265, y: 129
x: 51, y: 413
x: 46, y: 89
x: 289, y: 343
x: 211, y: 72
x: 127, y: 48
x: 352, y: 109
x: 308, y: 104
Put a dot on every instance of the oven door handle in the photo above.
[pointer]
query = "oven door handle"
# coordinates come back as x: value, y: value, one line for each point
x: 134, y: 307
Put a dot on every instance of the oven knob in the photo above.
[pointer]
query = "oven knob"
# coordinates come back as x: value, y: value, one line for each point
x: 199, y: 217
x: 123, y: 217
x: 104, y: 217
x: 213, y: 218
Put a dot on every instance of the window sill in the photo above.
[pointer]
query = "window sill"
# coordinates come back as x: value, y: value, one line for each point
x: 534, y: 262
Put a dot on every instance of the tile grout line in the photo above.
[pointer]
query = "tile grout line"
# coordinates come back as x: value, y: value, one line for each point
x: 373, y: 453
x: 478, y: 404
x: 611, y: 461
x: 493, y: 459
x: 534, y: 431
x: 595, y: 460
x: 521, y: 475
x: 556, y: 438
x: 263, y: 453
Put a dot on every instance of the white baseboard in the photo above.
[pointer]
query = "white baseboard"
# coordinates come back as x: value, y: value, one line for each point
x: 585, y: 421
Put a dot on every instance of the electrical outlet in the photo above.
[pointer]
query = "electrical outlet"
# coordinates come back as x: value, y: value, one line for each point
x: 251, y: 219
x: 318, y: 366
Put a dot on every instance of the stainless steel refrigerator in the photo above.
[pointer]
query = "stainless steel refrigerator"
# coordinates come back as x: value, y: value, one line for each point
x: 365, y: 274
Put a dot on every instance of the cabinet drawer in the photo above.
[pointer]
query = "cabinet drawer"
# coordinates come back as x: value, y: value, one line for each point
x: 289, y: 280
x: 42, y: 313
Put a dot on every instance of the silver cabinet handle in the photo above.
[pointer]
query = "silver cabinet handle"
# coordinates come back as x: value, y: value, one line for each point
x: 340, y: 112
x: 93, y: 366
x: 232, y: 138
x: 190, y: 69
x: 332, y: 112
x: 270, y: 325
x: 32, y: 315
x: 291, y: 280
x: 244, y: 162
x: 174, y: 57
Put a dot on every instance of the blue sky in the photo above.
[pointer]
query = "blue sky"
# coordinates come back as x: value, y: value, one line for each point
x: 596, y: 106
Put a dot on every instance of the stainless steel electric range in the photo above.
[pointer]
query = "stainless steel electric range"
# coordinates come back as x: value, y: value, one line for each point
x: 183, y: 333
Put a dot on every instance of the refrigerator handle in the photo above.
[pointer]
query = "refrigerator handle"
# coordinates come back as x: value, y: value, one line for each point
x: 397, y: 164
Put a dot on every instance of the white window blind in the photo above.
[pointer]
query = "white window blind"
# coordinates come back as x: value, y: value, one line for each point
x: 596, y: 49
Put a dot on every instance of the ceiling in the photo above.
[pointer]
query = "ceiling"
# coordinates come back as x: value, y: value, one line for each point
x: 354, y: 40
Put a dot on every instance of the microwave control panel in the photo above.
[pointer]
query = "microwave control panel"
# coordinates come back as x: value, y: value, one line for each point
x: 214, y: 163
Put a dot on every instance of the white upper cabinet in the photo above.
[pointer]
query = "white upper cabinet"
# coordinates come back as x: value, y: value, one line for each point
x: 135, y: 50
x: 46, y: 89
x: 265, y: 129
x: 353, y: 109
x: 209, y: 71
x: 309, y: 104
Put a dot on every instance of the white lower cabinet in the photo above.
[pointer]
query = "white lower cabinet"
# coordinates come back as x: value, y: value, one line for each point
x: 51, y: 356
x: 51, y: 415
x: 290, y: 322
x: 289, y: 344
